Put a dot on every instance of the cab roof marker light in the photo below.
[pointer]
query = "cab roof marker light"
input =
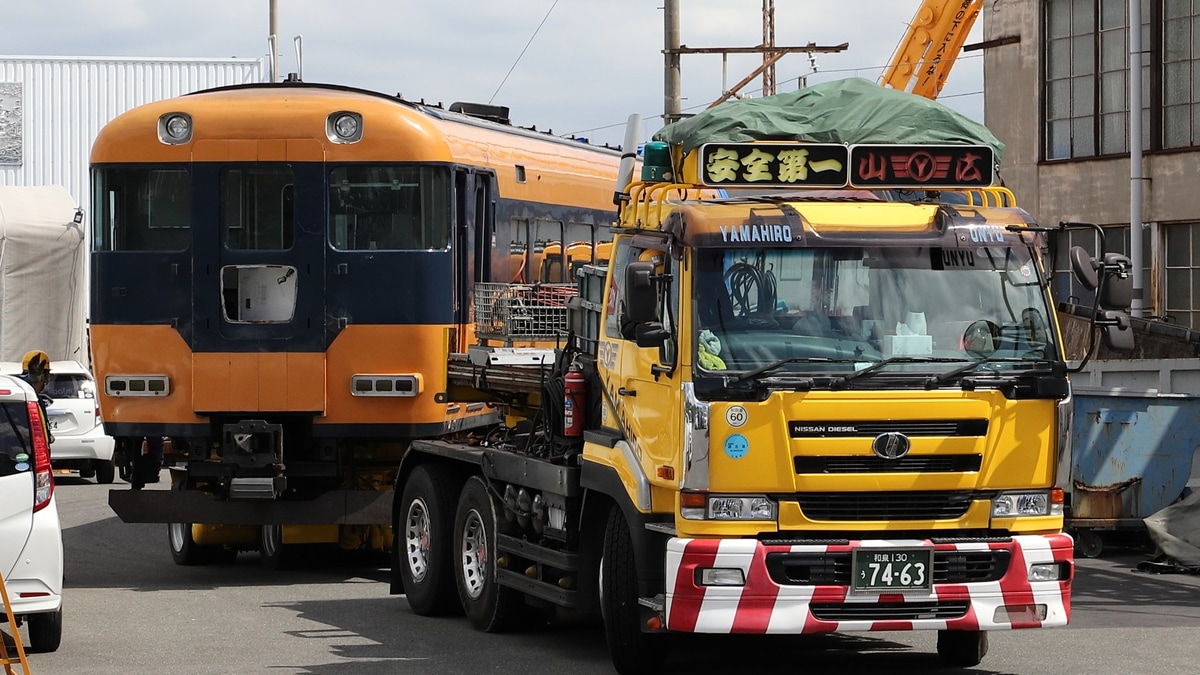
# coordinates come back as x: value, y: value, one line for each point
x: 344, y: 127
x: 175, y: 128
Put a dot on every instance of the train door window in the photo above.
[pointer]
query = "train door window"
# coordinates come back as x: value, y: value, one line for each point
x: 399, y: 208
x: 258, y: 208
x: 519, y: 251
x: 141, y: 209
x: 548, y: 250
x: 258, y: 293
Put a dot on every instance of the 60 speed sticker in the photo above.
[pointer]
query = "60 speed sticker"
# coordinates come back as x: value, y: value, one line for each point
x: 736, y: 416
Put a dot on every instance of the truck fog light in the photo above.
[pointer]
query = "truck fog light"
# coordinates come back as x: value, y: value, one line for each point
x: 721, y: 576
x: 1016, y: 613
x: 1046, y: 572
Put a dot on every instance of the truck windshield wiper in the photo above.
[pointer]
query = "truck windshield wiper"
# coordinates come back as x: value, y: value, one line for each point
x: 889, y: 361
x: 942, y: 378
x: 751, y: 374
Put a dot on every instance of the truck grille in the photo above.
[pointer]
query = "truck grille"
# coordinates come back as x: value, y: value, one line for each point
x: 833, y: 568
x: 889, y: 611
x: 873, y: 464
x: 854, y: 506
x: 870, y: 429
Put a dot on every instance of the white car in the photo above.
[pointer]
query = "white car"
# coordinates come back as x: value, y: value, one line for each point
x: 31, y: 548
x: 80, y: 443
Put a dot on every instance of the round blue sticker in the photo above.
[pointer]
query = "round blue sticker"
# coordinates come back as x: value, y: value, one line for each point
x: 736, y: 446
x: 21, y: 466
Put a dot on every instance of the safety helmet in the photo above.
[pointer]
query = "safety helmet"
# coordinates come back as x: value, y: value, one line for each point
x: 35, y: 363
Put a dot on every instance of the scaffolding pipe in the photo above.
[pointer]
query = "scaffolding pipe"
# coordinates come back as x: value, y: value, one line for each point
x: 1135, y: 157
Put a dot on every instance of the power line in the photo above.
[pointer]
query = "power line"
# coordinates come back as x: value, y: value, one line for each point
x: 531, y: 37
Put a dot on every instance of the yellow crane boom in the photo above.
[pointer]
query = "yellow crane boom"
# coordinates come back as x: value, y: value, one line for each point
x: 929, y: 48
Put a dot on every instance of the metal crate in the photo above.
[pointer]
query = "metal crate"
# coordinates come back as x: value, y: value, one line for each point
x: 522, y: 311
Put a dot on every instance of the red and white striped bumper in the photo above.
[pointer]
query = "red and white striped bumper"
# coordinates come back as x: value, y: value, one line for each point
x: 777, y: 605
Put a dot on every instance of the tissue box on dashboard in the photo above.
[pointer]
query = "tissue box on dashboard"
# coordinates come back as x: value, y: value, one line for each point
x: 907, y: 345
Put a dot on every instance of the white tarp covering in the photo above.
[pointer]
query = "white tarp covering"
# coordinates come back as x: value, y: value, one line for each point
x: 43, y: 283
x: 1176, y: 531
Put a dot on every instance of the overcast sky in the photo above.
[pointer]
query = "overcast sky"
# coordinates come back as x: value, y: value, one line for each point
x: 583, y: 71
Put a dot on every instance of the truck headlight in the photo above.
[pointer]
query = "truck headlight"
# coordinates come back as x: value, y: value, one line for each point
x: 1040, y: 503
x: 701, y: 506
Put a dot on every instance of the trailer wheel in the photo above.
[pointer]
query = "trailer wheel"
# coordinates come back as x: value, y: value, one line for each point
x: 632, y: 651
x: 425, y: 531
x: 962, y: 648
x: 490, y: 607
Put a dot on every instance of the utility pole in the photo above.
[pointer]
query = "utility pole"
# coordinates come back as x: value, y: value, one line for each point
x: 672, y: 110
x: 672, y: 101
x: 273, y: 41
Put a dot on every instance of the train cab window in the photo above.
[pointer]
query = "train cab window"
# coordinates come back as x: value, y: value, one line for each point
x: 399, y: 208
x: 141, y: 209
x: 258, y: 208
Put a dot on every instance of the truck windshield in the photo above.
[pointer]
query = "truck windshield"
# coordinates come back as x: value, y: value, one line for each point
x: 929, y: 309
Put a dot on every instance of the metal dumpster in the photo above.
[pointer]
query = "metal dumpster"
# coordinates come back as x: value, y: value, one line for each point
x: 1131, y: 456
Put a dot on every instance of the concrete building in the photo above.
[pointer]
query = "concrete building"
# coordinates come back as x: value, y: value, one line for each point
x: 1057, y: 94
x: 52, y: 107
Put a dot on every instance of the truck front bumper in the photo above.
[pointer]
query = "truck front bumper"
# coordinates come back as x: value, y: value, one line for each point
x: 977, y: 585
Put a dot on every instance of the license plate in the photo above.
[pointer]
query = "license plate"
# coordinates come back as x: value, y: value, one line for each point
x: 883, y: 570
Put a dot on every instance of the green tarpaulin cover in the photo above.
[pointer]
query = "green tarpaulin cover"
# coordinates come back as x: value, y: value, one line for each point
x: 847, y: 111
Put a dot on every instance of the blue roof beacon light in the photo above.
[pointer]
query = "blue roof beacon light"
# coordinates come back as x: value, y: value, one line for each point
x: 656, y: 162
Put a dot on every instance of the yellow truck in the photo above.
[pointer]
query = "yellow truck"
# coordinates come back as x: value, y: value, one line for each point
x: 819, y: 387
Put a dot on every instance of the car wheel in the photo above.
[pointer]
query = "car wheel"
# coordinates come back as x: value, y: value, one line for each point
x: 275, y: 554
x: 489, y: 606
x: 89, y: 472
x: 105, y: 472
x: 45, y: 631
x: 424, y: 537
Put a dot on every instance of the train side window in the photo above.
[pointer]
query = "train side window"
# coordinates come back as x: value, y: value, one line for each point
x: 398, y: 208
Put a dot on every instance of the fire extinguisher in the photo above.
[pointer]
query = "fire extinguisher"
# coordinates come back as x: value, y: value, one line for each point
x: 574, y: 390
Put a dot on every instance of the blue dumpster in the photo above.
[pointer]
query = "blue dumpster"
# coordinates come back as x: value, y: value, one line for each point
x: 1131, y: 456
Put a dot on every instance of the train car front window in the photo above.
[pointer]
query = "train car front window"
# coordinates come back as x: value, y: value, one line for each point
x: 399, y: 208
x: 142, y: 209
x: 259, y: 209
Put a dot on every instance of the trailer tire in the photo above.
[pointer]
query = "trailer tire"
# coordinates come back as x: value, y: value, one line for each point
x: 632, y: 651
x: 489, y: 607
x: 962, y: 648
x: 424, y: 539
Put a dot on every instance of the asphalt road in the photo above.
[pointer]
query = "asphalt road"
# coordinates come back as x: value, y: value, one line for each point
x: 129, y: 609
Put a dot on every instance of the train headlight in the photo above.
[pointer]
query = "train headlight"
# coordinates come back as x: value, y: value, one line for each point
x: 175, y: 128
x: 344, y: 127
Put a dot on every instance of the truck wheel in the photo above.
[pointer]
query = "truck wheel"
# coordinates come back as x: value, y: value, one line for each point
x: 275, y: 554
x: 489, y: 606
x: 962, y: 648
x: 184, y: 549
x: 45, y: 631
x: 632, y: 651
x: 105, y: 472
x: 424, y: 533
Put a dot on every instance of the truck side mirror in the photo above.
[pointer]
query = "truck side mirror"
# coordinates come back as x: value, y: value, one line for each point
x: 1112, y: 277
x: 651, y: 334
x: 1116, y: 331
x: 641, y: 297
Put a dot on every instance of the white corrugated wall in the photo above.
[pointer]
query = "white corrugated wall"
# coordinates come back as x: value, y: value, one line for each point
x: 64, y: 101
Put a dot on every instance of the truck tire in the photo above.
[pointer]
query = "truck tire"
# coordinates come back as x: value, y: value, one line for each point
x: 45, y: 631
x: 962, y: 648
x: 184, y: 550
x: 490, y: 607
x: 632, y: 651
x: 424, y: 539
x: 275, y: 554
